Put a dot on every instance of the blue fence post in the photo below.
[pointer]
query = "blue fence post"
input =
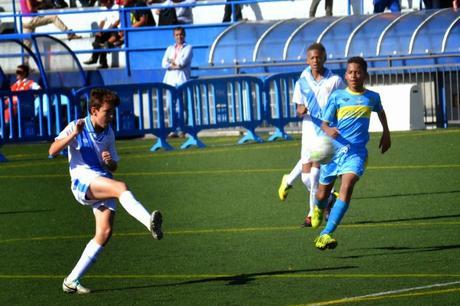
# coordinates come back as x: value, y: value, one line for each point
x: 191, y: 126
x: 279, y: 110
x: 162, y: 143
x: 248, y: 112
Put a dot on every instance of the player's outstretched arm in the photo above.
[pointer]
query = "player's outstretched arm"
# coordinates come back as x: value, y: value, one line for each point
x: 385, y: 140
x: 59, y: 145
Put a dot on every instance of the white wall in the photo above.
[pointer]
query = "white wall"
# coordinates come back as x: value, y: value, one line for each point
x: 403, y: 106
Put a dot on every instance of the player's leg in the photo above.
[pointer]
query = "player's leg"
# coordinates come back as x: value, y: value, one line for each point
x: 395, y: 6
x: 321, y: 198
x: 104, y: 222
x: 102, y: 188
x: 288, y: 180
x: 313, y: 8
x: 351, y: 168
x: 341, y: 204
x: 314, y: 181
x: 329, y: 4
x: 307, y: 170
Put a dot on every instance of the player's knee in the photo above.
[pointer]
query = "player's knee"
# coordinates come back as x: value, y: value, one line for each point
x: 321, y: 195
x: 121, y: 187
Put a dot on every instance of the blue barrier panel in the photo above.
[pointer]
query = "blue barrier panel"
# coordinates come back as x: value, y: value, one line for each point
x: 34, y: 115
x: 144, y: 108
x: 280, y: 111
x: 221, y: 103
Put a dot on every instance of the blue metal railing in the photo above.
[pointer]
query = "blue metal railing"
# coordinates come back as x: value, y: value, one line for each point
x: 156, y: 108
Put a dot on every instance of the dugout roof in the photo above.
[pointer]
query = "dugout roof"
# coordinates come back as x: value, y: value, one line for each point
x: 411, y: 34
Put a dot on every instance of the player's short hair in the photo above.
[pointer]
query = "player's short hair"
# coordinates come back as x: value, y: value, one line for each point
x: 179, y: 29
x: 317, y: 46
x: 100, y: 96
x: 360, y: 61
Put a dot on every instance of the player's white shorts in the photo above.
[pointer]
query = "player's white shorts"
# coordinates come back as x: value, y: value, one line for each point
x: 80, y: 187
x: 308, y: 134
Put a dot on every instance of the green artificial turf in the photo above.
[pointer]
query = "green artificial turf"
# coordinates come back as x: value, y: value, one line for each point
x: 228, y: 238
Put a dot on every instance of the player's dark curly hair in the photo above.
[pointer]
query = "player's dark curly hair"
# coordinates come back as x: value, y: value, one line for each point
x: 360, y: 61
x: 100, y: 96
x: 317, y: 46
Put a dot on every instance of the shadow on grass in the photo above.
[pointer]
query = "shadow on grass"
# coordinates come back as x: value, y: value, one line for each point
x: 404, y: 250
x: 30, y: 211
x: 408, y: 219
x: 407, y: 195
x: 240, y: 279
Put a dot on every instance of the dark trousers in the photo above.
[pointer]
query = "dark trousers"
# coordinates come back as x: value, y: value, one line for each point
x: 228, y: 12
x: 437, y: 4
x: 314, y: 7
x: 100, y: 42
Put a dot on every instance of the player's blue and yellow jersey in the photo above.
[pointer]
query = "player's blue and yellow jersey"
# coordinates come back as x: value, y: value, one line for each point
x: 350, y: 112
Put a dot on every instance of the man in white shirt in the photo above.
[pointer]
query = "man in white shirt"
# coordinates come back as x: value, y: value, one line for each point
x: 177, y: 60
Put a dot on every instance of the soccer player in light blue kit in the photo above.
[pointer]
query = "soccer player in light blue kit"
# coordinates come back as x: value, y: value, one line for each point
x: 346, y: 119
x: 311, y: 93
x: 92, y: 159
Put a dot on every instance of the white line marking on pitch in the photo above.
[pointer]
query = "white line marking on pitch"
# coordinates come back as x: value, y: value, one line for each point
x: 355, y: 298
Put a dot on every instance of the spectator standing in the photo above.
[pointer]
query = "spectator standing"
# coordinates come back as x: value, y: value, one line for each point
x: 228, y: 12
x: 314, y: 7
x: 30, y: 23
x: 177, y: 61
x: 107, y: 38
x: 381, y: 5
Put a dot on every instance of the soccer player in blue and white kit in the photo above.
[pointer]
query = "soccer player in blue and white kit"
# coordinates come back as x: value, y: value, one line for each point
x: 310, y: 95
x: 346, y: 119
x: 92, y: 159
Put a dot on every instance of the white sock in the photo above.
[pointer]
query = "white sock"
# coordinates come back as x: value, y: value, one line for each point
x: 314, y: 178
x: 135, y: 208
x: 88, y: 257
x: 295, y: 172
x: 306, y: 180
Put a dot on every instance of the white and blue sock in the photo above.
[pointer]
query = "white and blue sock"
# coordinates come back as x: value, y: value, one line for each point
x: 295, y: 172
x: 87, y: 259
x: 135, y: 208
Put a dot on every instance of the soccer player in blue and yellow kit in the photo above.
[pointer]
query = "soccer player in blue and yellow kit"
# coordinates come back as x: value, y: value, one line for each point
x: 346, y: 119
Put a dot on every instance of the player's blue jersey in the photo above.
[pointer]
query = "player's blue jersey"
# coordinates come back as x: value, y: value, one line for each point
x: 350, y: 112
x: 85, y: 150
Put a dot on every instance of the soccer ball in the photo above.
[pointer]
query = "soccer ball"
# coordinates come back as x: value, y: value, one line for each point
x: 321, y: 150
